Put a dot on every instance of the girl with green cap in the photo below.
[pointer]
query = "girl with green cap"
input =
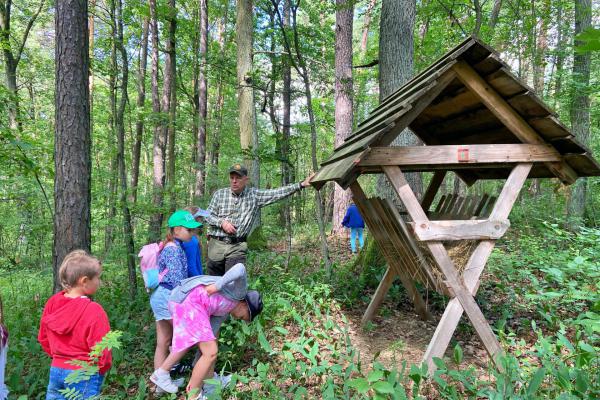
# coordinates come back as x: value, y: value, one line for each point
x: 172, y: 266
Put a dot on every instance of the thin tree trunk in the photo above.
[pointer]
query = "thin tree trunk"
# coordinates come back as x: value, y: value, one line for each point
x: 360, y: 104
x: 202, y: 104
x: 91, y: 78
x: 495, y: 14
x: 580, y: 109
x: 160, y: 139
x: 72, y: 161
x: 139, y: 123
x: 218, y: 111
x: 560, y: 54
x: 109, y: 230
x: 169, y: 102
x: 478, y: 17
x: 120, y: 125
x: 344, y: 15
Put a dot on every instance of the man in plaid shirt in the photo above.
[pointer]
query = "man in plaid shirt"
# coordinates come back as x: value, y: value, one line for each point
x: 233, y: 211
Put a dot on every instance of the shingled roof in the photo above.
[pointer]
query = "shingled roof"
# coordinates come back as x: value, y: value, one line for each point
x: 438, y: 107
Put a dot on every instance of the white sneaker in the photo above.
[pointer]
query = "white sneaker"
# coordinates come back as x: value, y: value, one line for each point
x: 179, y: 382
x: 210, y: 388
x: 162, y: 379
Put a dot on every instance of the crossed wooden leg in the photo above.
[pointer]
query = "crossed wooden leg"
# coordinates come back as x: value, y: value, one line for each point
x: 463, y: 290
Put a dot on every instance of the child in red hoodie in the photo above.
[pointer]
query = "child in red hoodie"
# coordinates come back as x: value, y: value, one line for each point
x: 72, y: 324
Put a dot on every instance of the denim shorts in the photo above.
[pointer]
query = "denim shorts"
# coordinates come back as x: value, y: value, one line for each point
x: 159, y: 301
x: 85, y: 389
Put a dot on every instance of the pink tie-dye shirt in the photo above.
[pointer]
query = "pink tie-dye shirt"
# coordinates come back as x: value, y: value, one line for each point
x: 191, y: 318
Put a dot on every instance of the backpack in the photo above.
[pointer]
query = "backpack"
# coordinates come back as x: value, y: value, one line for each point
x: 149, y: 265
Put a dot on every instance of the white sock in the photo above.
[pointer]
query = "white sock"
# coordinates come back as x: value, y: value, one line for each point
x: 160, y: 371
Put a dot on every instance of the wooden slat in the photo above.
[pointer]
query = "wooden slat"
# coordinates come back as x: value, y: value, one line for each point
x: 373, y: 223
x: 449, y: 321
x: 432, y: 189
x: 508, y: 116
x: 459, y: 230
x: 459, y: 154
x: 549, y: 127
x: 584, y: 164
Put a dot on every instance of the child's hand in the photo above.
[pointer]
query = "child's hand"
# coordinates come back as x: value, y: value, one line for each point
x: 210, y: 289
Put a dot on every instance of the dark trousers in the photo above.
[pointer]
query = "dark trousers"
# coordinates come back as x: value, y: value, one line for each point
x: 223, y: 256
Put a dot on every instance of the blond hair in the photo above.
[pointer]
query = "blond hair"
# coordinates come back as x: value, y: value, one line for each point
x: 76, y: 265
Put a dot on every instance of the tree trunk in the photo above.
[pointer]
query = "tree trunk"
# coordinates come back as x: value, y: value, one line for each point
x: 139, y: 123
x: 202, y: 104
x: 244, y: 30
x: 286, y: 165
x: 396, y: 68
x: 580, y: 109
x: 109, y: 229
x: 360, y: 104
x: 12, y: 59
x: 495, y: 14
x: 478, y: 17
x: 218, y: 110
x: 160, y: 139
x: 169, y: 102
x: 560, y: 54
x: 120, y: 125
x: 344, y: 15
x: 72, y: 163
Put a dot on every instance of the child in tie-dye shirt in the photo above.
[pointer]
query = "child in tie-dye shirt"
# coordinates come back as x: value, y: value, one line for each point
x: 199, y: 306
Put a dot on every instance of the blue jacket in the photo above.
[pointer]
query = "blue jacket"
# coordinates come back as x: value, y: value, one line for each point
x: 352, y: 219
x: 193, y: 255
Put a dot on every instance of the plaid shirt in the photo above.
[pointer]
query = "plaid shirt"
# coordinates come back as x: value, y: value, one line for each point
x: 242, y: 209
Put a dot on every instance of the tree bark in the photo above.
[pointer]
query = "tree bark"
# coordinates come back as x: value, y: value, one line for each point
x: 395, y: 68
x: 141, y: 100
x: 344, y: 16
x: 244, y: 31
x: 120, y: 125
x: 169, y: 102
x: 72, y: 196
x: 202, y: 104
x: 109, y: 229
x: 580, y: 109
x: 495, y: 14
x: 160, y: 139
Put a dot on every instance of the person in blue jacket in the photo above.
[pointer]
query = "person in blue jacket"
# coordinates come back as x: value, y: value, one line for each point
x: 354, y: 221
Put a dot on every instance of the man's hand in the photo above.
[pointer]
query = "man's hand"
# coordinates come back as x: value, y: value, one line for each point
x: 306, y: 182
x: 228, y: 228
x: 211, y: 289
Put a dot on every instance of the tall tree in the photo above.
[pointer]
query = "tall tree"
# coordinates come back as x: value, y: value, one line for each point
x: 202, y: 102
x: 169, y: 100
x: 120, y: 125
x: 160, y: 139
x: 141, y: 100
x: 580, y: 107
x: 72, y: 163
x: 246, y: 115
x: 344, y: 14
x: 396, y: 48
x: 12, y: 57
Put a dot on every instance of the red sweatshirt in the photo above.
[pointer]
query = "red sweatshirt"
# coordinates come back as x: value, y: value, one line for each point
x: 70, y: 327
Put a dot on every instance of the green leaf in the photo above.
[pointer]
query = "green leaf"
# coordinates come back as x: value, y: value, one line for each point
x: 536, y: 381
x: 360, y: 384
x: 374, y: 375
x: 458, y: 354
x: 383, y: 387
x: 264, y: 343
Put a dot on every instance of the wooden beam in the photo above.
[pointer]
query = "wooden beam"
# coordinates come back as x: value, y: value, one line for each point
x: 461, y: 155
x: 432, y: 189
x: 509, y: 117
x: 382, y: 289
x: 459, y: 230
x: 449, y: 321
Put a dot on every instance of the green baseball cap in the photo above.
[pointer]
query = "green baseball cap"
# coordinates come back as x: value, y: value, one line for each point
x: 183, y: 218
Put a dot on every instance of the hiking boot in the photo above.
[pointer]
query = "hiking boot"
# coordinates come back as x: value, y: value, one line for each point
x: 162, y: 380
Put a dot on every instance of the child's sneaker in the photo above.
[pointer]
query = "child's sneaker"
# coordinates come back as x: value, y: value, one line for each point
x: 177, y: 382
x: 162, y: 379
x: 209, y: 388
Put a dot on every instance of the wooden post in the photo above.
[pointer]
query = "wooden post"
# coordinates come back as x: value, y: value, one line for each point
x: 432, y: 189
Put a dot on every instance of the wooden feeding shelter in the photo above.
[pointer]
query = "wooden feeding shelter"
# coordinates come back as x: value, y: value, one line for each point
x: 478, y: 120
